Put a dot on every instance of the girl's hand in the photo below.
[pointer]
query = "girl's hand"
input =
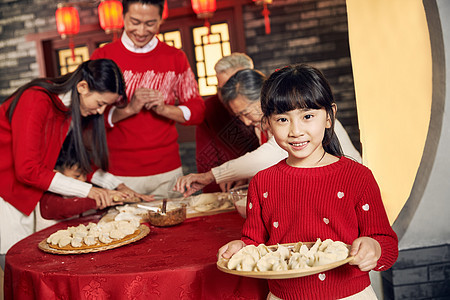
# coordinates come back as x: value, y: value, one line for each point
x: 231, y: 248
x: 192, y: 183
x: 367, y: 252
x: 104, y: 198
x: 132, y: 194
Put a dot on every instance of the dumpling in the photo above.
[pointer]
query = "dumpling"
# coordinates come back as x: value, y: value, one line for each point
x: 339, y: 248
x: 314, y: 248
x: 283, y: 252
x: 244, y: 258
x: 126, y: 227
x: 107, y: 227
x: 298, y: 261
x: 55, y: 237
x: 252, y: 250
x: 89, y: 240
x: 280, y: 265
x: 116, y: 234
x: 263, y: 250
x: 235, y: 260
x: 95, y: 231
x: 80, y: 234
x: 247, y: 263
x: 77, y: 242
x: 104, y: 238
x: 266, y: 262
x: 334, y: 251
x: 64, y: 241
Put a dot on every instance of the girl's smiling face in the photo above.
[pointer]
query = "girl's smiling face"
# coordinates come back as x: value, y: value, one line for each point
x: 300, y: 132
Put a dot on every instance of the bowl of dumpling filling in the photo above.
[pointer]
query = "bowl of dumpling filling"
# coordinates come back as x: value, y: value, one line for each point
x: 173, y: 214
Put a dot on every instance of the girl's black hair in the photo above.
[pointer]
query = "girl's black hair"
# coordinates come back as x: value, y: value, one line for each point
x: 88, y: 133
x: 126, y: 4
x: 301, y: 86
x: 67, y: 157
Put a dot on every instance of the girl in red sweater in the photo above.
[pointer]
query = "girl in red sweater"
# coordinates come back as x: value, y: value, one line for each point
x: 34, y: 123
x: 315, y: 193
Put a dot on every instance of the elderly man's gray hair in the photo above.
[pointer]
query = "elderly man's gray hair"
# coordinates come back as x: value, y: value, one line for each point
x: 233, y: 61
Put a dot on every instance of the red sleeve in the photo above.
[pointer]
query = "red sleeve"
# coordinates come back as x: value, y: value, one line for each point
x: 56, y: 207
x: 38, y: 131
x: 374, y: 223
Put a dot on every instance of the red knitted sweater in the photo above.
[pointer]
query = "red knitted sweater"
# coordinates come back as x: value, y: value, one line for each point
x: 30, y: 146
x: 340, y: 201
x: 146, y: 144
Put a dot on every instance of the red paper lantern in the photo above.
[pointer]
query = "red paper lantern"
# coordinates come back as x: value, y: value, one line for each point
x: 67, y: 20
x: 204, y: 8
x: 110, y: 16
x: 165, y: 13
x: 67, y: 24
x: 265, y: 13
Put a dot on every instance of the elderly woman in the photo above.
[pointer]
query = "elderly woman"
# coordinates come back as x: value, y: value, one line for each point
x: 242, y: 94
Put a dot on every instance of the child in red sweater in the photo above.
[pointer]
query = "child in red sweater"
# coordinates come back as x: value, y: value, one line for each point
x: 56, y: 207
x: 315, y: 193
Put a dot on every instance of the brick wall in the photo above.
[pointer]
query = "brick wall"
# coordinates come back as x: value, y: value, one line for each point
x: 19, y: 18
x: 306, y: 31
x: 422, y: 273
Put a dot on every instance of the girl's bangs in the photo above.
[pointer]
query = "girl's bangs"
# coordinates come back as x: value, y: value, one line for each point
x: 291, y: 97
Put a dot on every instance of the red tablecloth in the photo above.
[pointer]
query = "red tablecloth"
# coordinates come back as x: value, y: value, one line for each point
x: 170, y: 263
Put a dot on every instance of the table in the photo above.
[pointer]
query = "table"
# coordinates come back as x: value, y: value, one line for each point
x: 170, y: 263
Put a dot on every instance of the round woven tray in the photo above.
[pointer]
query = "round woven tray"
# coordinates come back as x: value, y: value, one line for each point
x: 140, y: 233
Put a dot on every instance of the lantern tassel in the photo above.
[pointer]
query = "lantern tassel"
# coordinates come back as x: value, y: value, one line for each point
x: 208, y: 27
x: 266, y: 14
x: 72, y: 48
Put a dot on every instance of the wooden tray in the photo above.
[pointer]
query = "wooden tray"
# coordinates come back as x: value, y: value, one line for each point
x: 142, y: 231
x: 222, y: 266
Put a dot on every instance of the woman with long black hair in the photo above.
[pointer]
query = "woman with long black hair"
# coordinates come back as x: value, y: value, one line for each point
x: 34, y: 122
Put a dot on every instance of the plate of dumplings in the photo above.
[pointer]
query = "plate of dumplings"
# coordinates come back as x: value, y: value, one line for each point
x: 94, y: 237
x: 284, y: 261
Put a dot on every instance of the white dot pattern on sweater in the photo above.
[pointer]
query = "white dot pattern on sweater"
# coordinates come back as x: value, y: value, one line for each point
x: 322, y: 276
x: 366, y: 207
x: 250, y: 205
x: 340, y: 195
